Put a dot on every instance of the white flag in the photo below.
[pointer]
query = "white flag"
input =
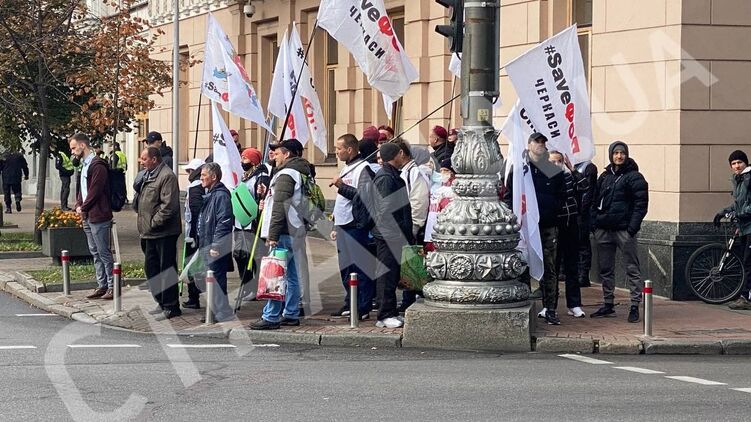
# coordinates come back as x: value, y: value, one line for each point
x: 552, y: 87
x: 307, y: 93
x: 225, y: 151
x: 282, y: 87
x: 516, y: 130
x: 363, y: 26
x: 455, y: 67
x: 225, y: 79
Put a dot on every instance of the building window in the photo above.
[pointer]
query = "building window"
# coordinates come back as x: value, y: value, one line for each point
x: 582, y: 12
x: 329, y: 92
x: 581, y: 15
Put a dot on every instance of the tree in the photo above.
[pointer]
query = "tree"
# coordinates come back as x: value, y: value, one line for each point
x: 63, y: 70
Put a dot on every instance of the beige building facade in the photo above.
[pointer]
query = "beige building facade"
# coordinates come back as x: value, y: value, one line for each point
x: 669, y: 77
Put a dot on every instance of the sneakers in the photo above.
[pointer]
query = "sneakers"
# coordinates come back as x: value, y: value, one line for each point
x: 551, y: 318
x: 390, y: 323
x: 169, y: 314
x: 97, y: 293
x: 262, y: 324
x: 108, y: 295
x: 606, y: 311
x: 290, y: 322
x: 576, y: 312
x: 250, y: 297
x: 633, y: 314
x: 192, y: 304
x: 740, y: 304
x: 542, y: 313
x: 402, y: 308
x: 342, y: 312
x: 156, y: 311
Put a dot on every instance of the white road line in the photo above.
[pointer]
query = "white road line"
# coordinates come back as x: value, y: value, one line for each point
x: 638, y: 370
x: 266, y: 345
x: 32, y: 315
x: 202, y: 346
x: 742, y: 390
x: 695, y: 380
x: 103, y: 346
x: 586, y: 359
x: 16, y: 347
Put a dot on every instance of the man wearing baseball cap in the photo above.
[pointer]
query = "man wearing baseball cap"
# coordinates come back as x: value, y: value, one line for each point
x: 438, y: 140
x: 154, y: 139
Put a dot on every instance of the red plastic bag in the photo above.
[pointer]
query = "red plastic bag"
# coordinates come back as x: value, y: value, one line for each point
x: 272, y: 280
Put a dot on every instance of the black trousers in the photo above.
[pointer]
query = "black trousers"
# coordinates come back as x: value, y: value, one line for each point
x: 243, y: 245
x: 64, y: 191
x: 161, y: 270
x: 568, y: 256
x: 585, y: 249
x: 747, y: 265
x: 7, y: 188
x: 388, y: 269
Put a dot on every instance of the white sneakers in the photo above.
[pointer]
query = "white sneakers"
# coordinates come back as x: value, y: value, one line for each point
x: 541, y: 314
x: 576, y: 312
x: 390, y: 323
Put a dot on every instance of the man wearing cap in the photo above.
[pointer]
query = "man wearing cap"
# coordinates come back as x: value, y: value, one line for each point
x: 438, y: 140
x: 284, y: 228
x: 392, y: 231
x: 154, y: 139
x: 386, y: 132
x: 621, y: 203
x: 741, y: 209
x: 194, y: 202
x: 371, y: 132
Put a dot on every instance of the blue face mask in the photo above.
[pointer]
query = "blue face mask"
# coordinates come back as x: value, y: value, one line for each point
x: 436, y: 178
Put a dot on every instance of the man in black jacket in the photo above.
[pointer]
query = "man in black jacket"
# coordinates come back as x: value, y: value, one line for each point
x: 65, y: 169
x: 392, y: 231
x: 13, y: 165
x: 585, y: 198
x: 193, y: 205
x: 620, y: 207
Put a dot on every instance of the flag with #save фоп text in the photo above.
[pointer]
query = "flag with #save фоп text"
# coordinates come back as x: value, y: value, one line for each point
x: 307, y: 93
x: 225, y: 79
x: 283, y: 87
x: 517, y: 130
x: 225, y: 151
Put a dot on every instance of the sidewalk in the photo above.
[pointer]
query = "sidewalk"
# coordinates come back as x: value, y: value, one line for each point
x: 679, y: 327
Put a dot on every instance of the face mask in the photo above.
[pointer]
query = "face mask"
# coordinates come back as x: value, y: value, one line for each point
x: 247, y: 166
x: 436, y: 178
x: 445, y: 178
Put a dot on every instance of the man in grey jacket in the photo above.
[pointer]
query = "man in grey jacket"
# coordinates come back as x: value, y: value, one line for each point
x: 159, y: 226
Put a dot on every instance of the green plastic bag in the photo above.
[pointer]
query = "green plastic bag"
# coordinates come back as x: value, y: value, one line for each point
x: 414, y: 274
x: 244, y: 206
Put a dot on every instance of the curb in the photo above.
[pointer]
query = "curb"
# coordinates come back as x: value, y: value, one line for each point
x: 682, y: 347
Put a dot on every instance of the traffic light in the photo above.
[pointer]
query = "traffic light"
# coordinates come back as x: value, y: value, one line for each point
x: 455, y: 30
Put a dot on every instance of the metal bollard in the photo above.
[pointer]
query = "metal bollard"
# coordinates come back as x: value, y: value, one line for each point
x: 648, y: 308
x: 210, y: 282
x: 65, y: 260
x: 117, y: 299
x: 354, y: 315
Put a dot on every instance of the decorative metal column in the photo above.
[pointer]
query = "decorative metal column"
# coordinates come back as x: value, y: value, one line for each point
x: 476, y: 264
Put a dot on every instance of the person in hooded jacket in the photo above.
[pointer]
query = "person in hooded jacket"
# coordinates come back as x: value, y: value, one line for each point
x: 193, y: 205
x: 621, y: 203
x: 741, y: 210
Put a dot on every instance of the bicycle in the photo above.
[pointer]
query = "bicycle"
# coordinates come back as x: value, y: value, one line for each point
x: 715, y: 272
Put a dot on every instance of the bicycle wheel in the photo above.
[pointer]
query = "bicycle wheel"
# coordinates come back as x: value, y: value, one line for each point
x: 707, y: 282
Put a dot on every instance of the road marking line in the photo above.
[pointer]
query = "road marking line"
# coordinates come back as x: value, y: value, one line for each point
x: 30, y: 315
x: 16, y: 347
x: 742, y: 390
x: 102, y: 346
x: 201, y: 346
x: 586, y: 359
x: 638, y: 370
x: 695, y: 380
x: 266, y: 345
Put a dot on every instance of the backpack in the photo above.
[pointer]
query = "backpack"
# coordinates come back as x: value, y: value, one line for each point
x: 118, y: 190
x: 313, y: 202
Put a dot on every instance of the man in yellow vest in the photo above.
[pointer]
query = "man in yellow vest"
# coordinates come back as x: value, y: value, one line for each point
x: 118, y: 160
x: 65, y: 168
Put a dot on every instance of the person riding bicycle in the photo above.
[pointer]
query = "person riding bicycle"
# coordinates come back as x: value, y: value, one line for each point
x: 741, y: 209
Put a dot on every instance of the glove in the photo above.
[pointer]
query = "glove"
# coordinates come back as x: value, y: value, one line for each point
x: 190, y: 242
x: 719, y: 216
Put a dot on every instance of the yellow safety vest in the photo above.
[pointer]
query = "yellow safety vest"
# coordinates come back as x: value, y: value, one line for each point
x: 122, y: 161
x: 67, y: 164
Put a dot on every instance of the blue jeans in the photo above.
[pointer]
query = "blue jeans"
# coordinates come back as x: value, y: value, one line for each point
x: 354, y: 257
x: 98, y: 238
x: 290, y: 308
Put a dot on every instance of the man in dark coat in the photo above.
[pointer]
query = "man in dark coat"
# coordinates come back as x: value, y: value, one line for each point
x: 12, y: 167
x: 585, y: 198
x: 620, y: 207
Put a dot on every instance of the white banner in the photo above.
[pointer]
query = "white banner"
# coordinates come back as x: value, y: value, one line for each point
x: 363, y: 26
x: 282, y: 87
x: 516, y: 130
x: 307, y: 93
x: 552, y: 87
x: 225, y: 151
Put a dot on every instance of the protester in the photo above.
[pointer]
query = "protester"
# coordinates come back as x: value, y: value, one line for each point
x: 368, y: 150
x: 585, y: 199
x: 618, y: 211
x: 215, y: 235
x: 386, y: 131
x: 159, y: 227
x: 351, y: 236
x: 372, y: 133
x: 65, y: 169
x: 741, y: 178
x: 118, y: 160
x: 193, y: 205
x: 438, y: 140
x: 93, y: 205
x: 154, y: 139
x: 549, y: 190
x: 392, y: 231
x: 286, y: 230
x: 14, y: 165
x: 440, y: 197
x: 567, y: 256
x: 453, y: 136
x: 236, y: 139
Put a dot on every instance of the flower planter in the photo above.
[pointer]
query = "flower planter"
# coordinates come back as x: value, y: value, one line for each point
x: 72, y: 239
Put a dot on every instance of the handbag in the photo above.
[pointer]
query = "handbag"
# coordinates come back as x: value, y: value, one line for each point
x: 272, y: 279
x: 413, y: 274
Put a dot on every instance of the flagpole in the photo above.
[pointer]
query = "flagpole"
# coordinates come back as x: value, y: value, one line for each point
x: 299, y: 76
x: 198, y: 120
x: 451, y: 107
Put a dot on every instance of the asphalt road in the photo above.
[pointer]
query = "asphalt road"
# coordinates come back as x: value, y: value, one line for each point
x: 141, y: 377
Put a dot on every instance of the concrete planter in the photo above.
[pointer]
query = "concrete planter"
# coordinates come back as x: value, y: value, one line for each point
x: 72, y: 239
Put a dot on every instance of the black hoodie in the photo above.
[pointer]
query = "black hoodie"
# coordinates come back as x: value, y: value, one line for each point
x: 622, y: 196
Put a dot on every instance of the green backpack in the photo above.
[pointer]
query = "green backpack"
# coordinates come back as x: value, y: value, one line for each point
x: 314, y: 203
